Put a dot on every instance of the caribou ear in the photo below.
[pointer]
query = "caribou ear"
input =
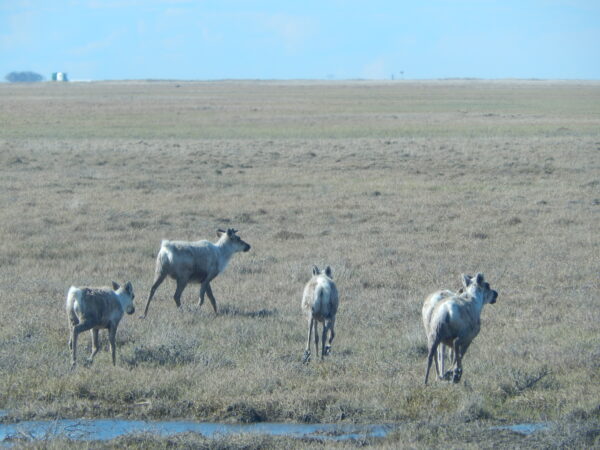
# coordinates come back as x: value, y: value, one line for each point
x: 479, y: 278
x: 466, y: 280
x: 316, y: 270
x: 220, y: 232
x: 328, y: 272
x: 129, y: 287
x: 115, y: 286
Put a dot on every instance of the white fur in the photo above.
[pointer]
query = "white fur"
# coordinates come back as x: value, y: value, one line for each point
x: 428, y: 306
x: 94, y: 309
x: 199, y: 262
x: 454, y: 320
x: 320, y: 303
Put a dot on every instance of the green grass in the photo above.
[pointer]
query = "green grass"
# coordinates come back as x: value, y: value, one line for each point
x: 400, y: 187
x: 237, y: 110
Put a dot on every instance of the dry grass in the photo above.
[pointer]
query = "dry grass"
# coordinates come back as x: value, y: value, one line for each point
x: 399, y: 187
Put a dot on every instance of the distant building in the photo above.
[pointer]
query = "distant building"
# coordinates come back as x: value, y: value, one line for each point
x: 59, y: 76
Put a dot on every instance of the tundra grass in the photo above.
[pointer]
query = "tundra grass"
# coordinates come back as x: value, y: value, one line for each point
x: 400, y: 188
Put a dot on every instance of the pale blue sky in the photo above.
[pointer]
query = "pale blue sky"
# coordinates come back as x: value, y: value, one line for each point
x: 336, y: 39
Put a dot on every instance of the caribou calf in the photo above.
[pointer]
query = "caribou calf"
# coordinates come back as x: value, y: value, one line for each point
x: 94, y: 309
x: 320, y: 304
x: 197, y: 262
x: 454, y: 320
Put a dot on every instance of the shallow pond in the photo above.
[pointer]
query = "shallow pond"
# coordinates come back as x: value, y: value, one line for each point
x: 106, y: 429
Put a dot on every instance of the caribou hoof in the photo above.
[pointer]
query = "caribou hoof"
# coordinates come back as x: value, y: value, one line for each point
x: 327, y: 350
x: 306, y: 357
x: 457, y: 375
x: 447, y: 376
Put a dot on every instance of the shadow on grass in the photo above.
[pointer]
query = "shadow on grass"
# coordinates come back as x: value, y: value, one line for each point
x: 233, y: 311
x: 161, y: 355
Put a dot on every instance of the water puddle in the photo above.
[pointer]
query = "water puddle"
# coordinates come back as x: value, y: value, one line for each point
x: 106, y: 429
x: 524, y: 428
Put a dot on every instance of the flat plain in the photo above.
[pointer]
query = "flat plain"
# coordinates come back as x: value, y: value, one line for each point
x: 399, y: 186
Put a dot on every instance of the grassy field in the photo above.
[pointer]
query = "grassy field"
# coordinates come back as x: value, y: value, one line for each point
x: 399, y: 187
